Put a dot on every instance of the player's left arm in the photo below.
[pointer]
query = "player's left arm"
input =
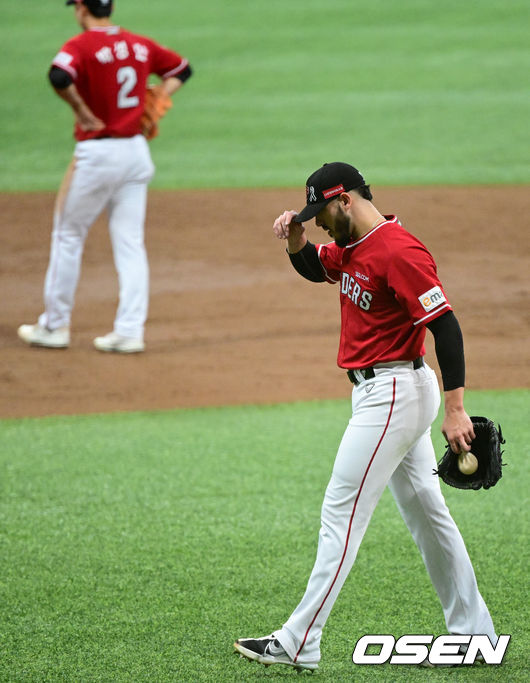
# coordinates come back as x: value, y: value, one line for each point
x: 173, y: 69
x: 449, y: 347
x: 64, y: 86
x: 413, y: 276
x: 171, y: 85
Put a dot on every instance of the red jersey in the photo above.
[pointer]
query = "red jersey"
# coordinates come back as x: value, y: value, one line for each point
x: 110, y: 68
x: 389, y: 290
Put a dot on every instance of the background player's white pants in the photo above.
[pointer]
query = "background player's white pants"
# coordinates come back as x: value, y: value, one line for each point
x: 112, y: 174
x: 387, y: 441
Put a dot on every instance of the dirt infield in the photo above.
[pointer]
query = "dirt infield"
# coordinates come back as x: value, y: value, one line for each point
x: 230, y: 321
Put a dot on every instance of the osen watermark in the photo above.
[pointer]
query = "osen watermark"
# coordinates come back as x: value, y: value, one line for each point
x: 449, y: 650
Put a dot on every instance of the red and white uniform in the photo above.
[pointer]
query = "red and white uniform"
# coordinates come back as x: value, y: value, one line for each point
x: 113, y: 166
x: 389, y: 289
x: 110, y: 68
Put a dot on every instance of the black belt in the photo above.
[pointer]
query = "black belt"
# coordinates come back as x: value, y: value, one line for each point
x: 369, y: 373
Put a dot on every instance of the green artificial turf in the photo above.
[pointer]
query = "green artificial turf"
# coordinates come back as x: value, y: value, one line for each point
x: 415, y: 92
x: 137, y: 547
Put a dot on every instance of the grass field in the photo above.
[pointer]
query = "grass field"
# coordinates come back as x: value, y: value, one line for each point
x: 415, y: 92
x: 137, y: 546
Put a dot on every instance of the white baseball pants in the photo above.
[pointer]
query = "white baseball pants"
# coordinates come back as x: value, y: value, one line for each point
x: 387, y: 441
x: 112, y: 174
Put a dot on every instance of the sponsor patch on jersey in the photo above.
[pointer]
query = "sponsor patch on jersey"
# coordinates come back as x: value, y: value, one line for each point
x: 431, y: 299
x: 63, y: 58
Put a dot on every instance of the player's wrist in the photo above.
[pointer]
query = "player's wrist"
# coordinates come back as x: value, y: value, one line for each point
x: 296, y: 243
x: 454, y: 400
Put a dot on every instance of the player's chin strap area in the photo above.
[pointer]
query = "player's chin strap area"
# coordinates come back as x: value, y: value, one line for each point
x: 358, y: 376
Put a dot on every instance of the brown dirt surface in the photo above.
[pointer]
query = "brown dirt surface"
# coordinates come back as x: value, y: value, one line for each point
x: 230, y: 322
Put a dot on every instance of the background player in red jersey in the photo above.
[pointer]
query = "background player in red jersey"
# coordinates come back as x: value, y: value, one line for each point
x: 389, y: 293
x: 102, y: 74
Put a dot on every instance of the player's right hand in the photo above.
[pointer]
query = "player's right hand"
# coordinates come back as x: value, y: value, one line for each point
x: 458, y: 430
x: 87, y: 120
x: 284, y: 226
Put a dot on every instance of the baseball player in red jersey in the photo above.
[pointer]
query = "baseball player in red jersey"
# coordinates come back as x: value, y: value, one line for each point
x: 389, y: 293
x: 102, y: 74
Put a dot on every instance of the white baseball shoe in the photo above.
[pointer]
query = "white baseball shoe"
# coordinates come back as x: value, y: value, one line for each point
x: 267, y: 651
x: 36, y: 335
x: 116, y: 343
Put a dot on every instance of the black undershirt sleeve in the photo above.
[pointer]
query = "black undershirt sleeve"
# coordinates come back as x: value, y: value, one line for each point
x: 185, y: 74
x: 307, y: 263
x: 59, y: 78
x: 449, y: 347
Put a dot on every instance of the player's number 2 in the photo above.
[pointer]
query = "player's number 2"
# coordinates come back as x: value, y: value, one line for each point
x: 127, y: 78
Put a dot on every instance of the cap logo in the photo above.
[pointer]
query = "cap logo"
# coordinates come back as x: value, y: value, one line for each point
x: 311, y: 196
x: 333, y: 191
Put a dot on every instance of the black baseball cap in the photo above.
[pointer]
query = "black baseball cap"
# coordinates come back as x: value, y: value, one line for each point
x: 99, y: 8
x: 327, y: 183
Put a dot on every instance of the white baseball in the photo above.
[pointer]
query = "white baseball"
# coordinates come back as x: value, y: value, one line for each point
x: 467, y: 463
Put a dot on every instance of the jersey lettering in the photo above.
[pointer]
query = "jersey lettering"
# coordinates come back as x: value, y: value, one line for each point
x: 121, y: 49
x: 126, y: 75
x: 141, y: 52
x: 354, y: 292
x: 366, y: 301
x: 104, y: 55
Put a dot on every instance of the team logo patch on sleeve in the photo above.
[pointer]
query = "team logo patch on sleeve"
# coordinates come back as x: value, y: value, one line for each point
x: 63, y: 58
x: 431, y: 299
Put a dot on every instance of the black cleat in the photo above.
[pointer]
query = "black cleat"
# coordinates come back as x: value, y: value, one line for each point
x: 267, y: 651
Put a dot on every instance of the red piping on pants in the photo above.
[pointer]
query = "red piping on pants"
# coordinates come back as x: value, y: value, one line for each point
x: 351, y: 520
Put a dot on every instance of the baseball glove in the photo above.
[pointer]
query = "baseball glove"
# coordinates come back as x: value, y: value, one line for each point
x: 486, y: 447
x: 157, y: 104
